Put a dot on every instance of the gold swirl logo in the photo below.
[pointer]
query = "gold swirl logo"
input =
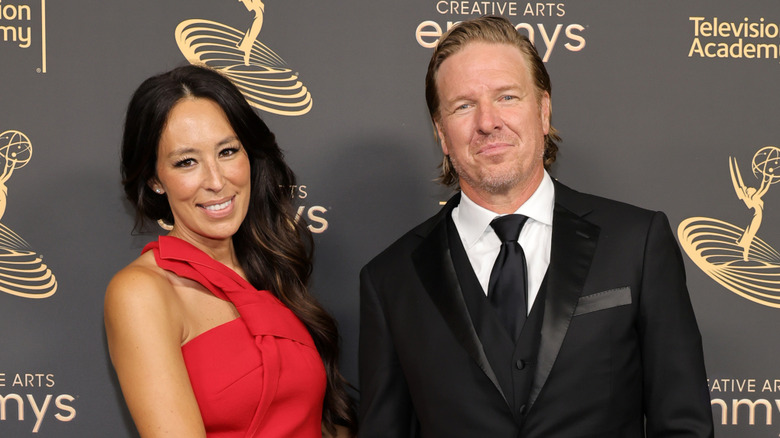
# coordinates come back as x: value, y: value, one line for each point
x: 736, y: 257
x: 261, y: 75
x: 22, y: 271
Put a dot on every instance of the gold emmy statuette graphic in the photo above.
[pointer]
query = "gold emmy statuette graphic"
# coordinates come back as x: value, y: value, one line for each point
x: 260, y: 74
x: 734, y: 257
x: 22, y: 271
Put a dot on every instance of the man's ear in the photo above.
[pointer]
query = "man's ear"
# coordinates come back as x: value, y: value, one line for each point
x: 440, y: 135
x: 545, y: 106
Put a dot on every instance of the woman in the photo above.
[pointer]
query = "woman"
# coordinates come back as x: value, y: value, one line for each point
x: 212, y: 331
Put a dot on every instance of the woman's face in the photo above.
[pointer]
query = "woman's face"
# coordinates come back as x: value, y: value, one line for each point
x: 204, y: 171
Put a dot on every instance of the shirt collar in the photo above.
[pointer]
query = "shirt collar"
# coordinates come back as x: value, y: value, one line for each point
x: 474, y: 220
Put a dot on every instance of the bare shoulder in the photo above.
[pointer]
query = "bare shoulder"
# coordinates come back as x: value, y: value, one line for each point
x: 142, y: 295
x: 139, y: 281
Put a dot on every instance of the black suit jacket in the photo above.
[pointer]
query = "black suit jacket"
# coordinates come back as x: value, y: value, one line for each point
x: 620, y: 352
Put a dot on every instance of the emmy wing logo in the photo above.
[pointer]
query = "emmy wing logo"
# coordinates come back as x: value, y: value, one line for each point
x: 260, y: 74
x: 22, y: 271
x: 736, y: 257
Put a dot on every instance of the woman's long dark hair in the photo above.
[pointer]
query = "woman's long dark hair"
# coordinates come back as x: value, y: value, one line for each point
x: 275, y: 250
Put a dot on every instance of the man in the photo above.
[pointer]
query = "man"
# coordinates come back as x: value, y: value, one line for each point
x: 599, y: 338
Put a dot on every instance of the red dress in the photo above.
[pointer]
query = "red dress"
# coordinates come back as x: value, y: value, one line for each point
x: 259, y: 375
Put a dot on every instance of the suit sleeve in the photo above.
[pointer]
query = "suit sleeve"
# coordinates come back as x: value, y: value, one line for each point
x: 676, y: 400
x: 385, y: 405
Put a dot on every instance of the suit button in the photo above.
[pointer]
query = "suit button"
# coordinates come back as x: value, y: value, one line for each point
x: 520, y: 364
x: 522, y: 410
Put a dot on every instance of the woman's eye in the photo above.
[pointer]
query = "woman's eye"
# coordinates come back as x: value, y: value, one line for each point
x: 186, y: 162
x: 228, y: 151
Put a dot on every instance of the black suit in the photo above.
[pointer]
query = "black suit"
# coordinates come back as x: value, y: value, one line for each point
x: 618, y: 343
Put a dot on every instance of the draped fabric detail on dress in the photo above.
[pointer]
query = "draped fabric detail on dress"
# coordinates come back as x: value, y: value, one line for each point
x: 289, y: 379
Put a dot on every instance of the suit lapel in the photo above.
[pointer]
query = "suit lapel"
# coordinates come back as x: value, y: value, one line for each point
x: 573, y: 245
x: 434, y: 266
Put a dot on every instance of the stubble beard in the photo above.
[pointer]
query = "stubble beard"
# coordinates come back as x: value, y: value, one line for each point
x: 492, y: 181
x: 489, y: 182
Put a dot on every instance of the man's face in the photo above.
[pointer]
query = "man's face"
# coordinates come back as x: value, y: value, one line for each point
x: 491, y: 123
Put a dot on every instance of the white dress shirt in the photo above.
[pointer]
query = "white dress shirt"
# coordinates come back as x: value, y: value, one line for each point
x: 482, y: 245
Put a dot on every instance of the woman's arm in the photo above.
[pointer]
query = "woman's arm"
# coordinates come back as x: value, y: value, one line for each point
x: 144, y: 331
x: 341, y: 432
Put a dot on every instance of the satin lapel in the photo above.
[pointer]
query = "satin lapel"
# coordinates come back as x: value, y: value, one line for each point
x: 573, y: 244
x: 433, y: 263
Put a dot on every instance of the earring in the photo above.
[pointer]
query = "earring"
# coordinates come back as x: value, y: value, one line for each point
x: 158, y: 191
x: 164, y: 225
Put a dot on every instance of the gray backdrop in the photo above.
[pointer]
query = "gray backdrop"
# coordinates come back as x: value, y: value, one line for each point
x: 649, y: 108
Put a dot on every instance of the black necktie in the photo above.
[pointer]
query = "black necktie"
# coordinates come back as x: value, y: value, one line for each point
x: 508, y: 283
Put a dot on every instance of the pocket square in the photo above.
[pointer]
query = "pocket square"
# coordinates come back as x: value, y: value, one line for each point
x: 607, y: 299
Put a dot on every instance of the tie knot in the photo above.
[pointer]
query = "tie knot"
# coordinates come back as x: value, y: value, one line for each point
x: 508, y: 227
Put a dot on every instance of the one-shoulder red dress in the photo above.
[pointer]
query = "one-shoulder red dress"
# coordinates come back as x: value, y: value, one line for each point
x: 258, y: 375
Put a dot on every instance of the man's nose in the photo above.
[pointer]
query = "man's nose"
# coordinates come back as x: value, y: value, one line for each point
x: 488, y: 118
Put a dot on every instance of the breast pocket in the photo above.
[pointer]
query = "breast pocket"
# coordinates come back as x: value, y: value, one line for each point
x: 607, y: 299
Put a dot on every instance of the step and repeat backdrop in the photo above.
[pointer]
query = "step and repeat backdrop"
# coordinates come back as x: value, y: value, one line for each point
x: 669, y: 105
